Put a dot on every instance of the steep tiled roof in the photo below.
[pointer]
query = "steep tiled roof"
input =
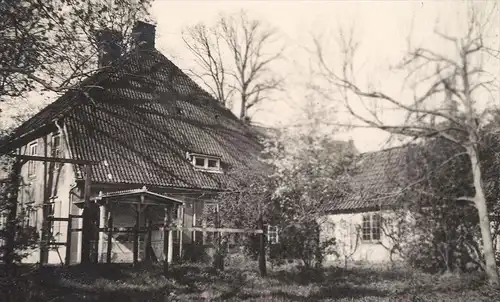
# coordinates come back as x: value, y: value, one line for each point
x: 375, y: 180
x: 144, y: 120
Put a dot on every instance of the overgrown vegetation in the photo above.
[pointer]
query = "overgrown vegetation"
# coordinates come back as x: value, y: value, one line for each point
x: 285, y: 283
x: 448, y: 95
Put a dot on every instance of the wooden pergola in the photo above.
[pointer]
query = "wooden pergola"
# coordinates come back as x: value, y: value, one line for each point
x: 145, y: 205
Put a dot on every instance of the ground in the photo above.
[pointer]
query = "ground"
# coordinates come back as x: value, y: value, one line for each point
x: 197, y: 283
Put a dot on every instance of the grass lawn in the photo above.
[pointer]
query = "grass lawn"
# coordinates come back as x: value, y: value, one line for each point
x: 197, y: 283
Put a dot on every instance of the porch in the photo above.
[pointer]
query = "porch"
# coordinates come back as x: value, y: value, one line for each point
x: 135, y: 225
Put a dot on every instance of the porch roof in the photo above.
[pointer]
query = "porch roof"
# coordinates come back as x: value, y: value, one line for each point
x: 136, y: 192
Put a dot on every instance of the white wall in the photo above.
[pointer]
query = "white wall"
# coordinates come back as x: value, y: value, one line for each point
x: 342, y: 227
x: 32, y: 190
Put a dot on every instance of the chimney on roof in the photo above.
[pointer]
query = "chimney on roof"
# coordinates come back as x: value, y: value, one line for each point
x: 109, y: 45
x: 144, y: 34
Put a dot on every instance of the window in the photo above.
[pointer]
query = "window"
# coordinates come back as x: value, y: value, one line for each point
x: 213, y: 164
x: 56, y: 149
x: 272, y: 234
x: 30, y: 214
x: 3, y: 225
x: 371, y: 227
x: 199, y: 162
x: 206, y: 163
x: 3, y: 220
x: 32, y: 150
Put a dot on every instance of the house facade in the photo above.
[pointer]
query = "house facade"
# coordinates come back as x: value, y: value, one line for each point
x: 355, y: 220
x: 372, y: 221
x: 143, y: 123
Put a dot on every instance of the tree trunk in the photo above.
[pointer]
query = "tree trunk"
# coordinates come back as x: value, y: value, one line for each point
x: 243, y: 109
x: 262, y: 249
x: 484, y: 221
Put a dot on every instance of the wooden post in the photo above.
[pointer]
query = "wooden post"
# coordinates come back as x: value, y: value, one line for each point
x: 219, y: 254
x: 262, y: 249
x: 170, y: 237
x: 96, y: 224
x: 149, y: 230
x: 69, y: 230
x: 12, y: 194
x: 136, y: 233
x: 46, y: 233
x: 180, y: 231
x: 100, y: 234
x: 166, y: 241
x: 87, y: 228
x: 110, y: 233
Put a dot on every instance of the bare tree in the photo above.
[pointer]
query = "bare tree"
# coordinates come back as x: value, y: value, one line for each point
x: 459, y: 77
x: 234, y: 59
x: 348, y: 241
x: 205, y: 44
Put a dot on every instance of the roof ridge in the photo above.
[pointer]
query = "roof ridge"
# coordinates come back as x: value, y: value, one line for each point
x: 389, y: 149
x: 211, y: 97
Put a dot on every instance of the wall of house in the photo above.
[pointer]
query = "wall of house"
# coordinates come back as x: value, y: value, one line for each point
x: 44, y: 181
x: 345, y: 228
x: 39, y: 184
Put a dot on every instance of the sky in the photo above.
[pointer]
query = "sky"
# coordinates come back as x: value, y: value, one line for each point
x: 382, y: 27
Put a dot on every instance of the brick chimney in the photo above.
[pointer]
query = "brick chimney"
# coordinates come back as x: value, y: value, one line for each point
x: 109, y: 43
x: 144, y: 34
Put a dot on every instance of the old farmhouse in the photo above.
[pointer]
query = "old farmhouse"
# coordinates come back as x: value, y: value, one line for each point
x: 151, y: 137
x: 369, y: 222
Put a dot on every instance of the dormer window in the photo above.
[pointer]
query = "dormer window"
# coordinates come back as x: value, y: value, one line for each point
x: 199, y: 162
x: 205, y: 162
x: 213, y: 163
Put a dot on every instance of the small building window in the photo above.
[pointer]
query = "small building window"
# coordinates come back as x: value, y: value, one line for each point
x: 199, y: 162
x: 272, y: 234
x: 33, y: 151
x: 56, y: 149
x: 3, y: 220
x: 371, y: 227
x: 213, y: 164
x: 206, y: 163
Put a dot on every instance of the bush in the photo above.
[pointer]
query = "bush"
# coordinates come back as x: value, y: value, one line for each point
x: 301, y: 242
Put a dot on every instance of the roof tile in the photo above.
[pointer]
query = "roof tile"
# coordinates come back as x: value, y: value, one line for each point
x: 143, y: 121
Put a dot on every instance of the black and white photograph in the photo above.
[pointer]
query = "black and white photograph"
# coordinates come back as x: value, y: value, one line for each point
x: 249, y: 150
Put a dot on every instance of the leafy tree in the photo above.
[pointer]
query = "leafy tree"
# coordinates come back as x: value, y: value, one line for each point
x: 299, y: 173
x: 52, y: 44
x: 450, y: 92
x: 443, y: 232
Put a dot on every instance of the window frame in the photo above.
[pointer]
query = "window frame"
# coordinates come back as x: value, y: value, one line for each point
x: 3, y: 219
x: 206, y: 159
x: 53, y: 150
x: 30, y: 214
x: 272, y: 236
x: 32, y: 166
x: 370, y: 222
